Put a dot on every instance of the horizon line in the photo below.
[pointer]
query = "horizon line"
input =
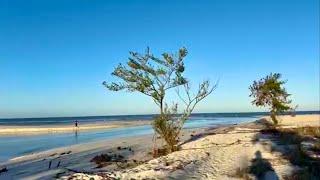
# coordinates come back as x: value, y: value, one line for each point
x: 241, y: 112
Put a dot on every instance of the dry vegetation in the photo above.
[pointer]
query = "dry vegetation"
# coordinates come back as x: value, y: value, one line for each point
x: 306, y: 157
x: 290, y: 142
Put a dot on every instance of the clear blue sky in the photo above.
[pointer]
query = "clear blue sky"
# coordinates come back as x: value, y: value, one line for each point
x: 54, y: 54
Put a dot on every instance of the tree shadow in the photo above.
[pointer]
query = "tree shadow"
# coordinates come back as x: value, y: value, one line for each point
x: 289, y: 143
x: 209, y: 131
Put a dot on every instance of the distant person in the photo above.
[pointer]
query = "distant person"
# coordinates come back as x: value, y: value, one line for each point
x: 76, y: 123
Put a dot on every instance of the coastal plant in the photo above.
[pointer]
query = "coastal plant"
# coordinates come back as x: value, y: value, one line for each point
x: 243, y: 170
x: 269, y: 92
x: 154, y: 77
x: 170, y: 123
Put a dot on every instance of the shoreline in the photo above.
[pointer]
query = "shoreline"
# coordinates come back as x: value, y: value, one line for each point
x: 77, y: 148
x: 78, y: 157
x: 65, y: 128
x: 88, y: 146
x: 212, y: 152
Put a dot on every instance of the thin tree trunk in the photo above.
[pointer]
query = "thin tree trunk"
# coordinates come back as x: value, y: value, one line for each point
x: 155, y: 148
x: 161, y: 105
x: 273, y: 117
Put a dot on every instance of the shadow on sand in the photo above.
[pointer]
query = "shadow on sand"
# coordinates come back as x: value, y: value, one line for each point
x: 285, y: 142
x: 288, y: 142
x: 261, y: 168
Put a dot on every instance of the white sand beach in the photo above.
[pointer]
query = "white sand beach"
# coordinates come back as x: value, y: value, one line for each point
x: 207, y: 154
x: 218, y: 156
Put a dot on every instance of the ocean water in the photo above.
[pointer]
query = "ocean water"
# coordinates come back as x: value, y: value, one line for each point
x: 14, y: 146
x: 90, y: 119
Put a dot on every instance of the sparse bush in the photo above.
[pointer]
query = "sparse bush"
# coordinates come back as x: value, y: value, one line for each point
x: 243, y: 170
x: 169, y: 123
x: 165, y: 125
x: 242, y: 173
x: 308, y: 131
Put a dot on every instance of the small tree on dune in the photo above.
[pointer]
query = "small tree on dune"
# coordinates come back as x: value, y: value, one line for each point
x: 153, y: 77
x: 269, y: 92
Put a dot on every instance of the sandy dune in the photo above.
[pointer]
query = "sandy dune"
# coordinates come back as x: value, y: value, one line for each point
x: 299, y: 121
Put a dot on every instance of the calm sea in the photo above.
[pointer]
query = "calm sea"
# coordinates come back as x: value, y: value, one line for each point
x: 18, y: 145
x: 90, y: 119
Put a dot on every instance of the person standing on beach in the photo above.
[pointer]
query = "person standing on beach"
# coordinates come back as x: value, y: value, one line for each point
x: 76, y: 123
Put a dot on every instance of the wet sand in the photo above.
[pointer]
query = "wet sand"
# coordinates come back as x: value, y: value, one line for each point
x: 46, y: 129
x: 77, y: 158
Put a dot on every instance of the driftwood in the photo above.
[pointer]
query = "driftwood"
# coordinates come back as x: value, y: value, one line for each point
x: 85, y: 172
x: 76, y: 171
x: 50, y: 164
x: 58, y: 164
x: 2, y: 170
